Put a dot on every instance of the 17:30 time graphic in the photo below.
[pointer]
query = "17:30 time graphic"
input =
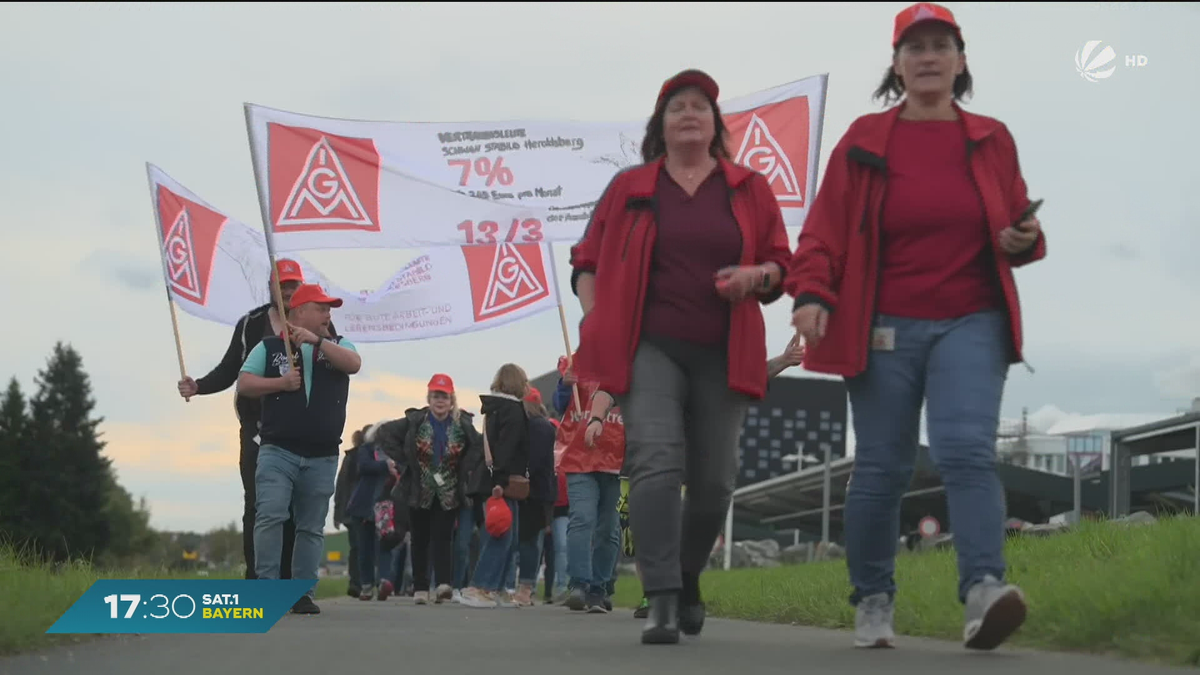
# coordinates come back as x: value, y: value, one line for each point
x: 529, y: 230
x: 168, y: 605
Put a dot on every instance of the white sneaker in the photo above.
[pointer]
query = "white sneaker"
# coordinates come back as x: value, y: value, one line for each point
x: 993, y: 611
x: 421, y: 597
x: 456, y: 597
x: 473, y: 597
x: 505, y: 599
x: 873, y: 623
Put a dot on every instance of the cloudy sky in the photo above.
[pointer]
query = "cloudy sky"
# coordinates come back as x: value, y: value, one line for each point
x: 91, y: 92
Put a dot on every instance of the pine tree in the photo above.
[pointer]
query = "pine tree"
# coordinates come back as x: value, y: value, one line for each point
x: 14, y: 452
x: 68, y: 489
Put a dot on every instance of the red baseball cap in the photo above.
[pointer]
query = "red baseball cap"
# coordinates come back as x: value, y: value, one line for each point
x: 289, y: 270
x: 313, y: 293
x: 497, y: 517
x: 441, y: 383
x: 533, y: 396
x: 689, y: 78
x: 920, y: 13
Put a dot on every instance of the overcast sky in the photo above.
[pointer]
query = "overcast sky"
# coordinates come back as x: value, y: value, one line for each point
x: 91, y: 92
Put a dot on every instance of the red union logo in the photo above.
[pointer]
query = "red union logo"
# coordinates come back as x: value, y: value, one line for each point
x: 322, y: 182
x: 505, y: 278
x: 774, y: 141
x: 190, y: 234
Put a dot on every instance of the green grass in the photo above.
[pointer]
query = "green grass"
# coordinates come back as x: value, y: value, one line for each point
x: 1130, y: 591
x: 36, y: 595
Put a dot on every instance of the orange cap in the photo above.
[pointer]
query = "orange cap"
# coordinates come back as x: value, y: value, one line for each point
x: 919, y: 13
x: 289, y: 270
x: 313, y: 293
x: 689, y: 78
x: 442, y: 383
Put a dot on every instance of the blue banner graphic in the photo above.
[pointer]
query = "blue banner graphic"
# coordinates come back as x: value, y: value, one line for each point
x: 115, y: 606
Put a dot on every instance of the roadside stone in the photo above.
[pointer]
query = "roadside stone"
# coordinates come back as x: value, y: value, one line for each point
x: 1136, y: 518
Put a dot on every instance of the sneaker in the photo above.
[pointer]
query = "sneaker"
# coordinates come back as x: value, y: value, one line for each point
x: 353, y: 591
x: 305, y: 605
x: 385, y: 590
x: 994, y: 610
x: 596, y: 604
x: 524, y: 596
x: 608, y: 603
x: 506, y: 599
x: 873, y: 623
x: 577, y: 600
x: 421, y: 597
x: 474, y: 597
x: 456, y: 597
x: 366, y: 593
x: 444, y: 593
x: 643, y: 610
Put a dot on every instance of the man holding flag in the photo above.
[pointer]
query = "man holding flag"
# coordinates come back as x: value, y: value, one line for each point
x: 255, y: 325
x: 304, y: 385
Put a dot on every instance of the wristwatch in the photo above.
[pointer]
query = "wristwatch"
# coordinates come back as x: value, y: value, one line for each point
x: 596, y: 419
x: 765, y: 284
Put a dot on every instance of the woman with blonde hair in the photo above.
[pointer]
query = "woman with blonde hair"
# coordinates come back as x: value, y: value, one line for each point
x: 505, y: 434
x: 433, y: 448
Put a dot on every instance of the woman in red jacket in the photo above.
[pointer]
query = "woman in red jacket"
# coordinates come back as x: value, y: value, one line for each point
x: 679, y: 255
x: 904, y: 286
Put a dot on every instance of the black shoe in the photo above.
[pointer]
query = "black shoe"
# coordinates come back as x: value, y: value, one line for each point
x: 691, y: 618
x: 353, y: 591
x: 643, y: 610
x: 577, y: 601
x: 305, y: 605
x: 662, y: 622
x: 596, y: 604
x: 608, y: 603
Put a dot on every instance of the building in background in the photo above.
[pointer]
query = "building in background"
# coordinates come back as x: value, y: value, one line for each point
x: 786, y: 431
x: 792, y: 427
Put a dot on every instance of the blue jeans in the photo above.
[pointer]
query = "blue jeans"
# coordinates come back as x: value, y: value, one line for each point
x: 467, y: 522
x: 496, y: 564
x: 561, y: 574
x: 958, y: 367
x: 591, y: 547
x: 282, y: 480
x: 374, y: 563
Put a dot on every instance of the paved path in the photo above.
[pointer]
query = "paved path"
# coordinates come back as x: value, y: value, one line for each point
x: 396, y: 636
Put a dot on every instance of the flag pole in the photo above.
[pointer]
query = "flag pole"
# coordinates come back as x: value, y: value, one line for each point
x: 264, y: 207
x: 562, y: 320
x: 162, y: 258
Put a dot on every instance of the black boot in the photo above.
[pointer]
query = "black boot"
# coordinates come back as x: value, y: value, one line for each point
x: 662, y: 623
x: 691, y: 607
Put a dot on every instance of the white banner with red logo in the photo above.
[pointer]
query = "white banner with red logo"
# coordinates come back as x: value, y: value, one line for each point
x: 217, y: 268
x: 337, y: 183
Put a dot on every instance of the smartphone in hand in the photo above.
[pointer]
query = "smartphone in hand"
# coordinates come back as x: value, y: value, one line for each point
x: 1028, y: 213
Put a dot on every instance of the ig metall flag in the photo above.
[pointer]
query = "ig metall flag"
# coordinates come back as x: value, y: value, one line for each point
x: 113, y: 606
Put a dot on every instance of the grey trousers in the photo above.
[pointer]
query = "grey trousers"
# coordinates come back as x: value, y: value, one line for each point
x: 682, y: 423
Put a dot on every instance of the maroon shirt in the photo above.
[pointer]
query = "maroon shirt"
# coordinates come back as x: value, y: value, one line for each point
x: 936, y: 259
x: 695, y: 237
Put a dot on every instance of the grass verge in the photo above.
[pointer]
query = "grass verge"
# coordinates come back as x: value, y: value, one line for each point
x: 1131, y: 591
x: 35, y: 596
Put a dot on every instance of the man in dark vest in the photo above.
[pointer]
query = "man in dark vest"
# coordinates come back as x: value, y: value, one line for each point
x: 303, y: 416
x: 255, y: 325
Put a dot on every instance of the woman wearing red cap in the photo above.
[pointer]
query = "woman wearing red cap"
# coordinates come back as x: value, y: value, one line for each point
x: 679, y: 256
x: 434, y: 448
x: 903, y: 284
